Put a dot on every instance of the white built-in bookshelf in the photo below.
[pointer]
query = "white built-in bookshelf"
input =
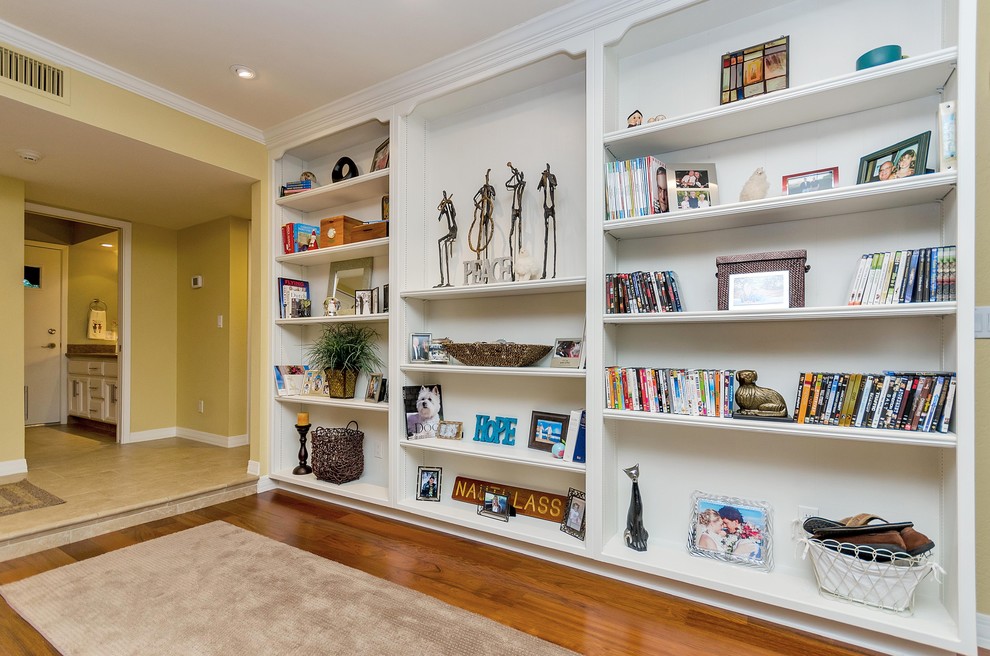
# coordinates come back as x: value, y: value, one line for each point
x: 563, y: 99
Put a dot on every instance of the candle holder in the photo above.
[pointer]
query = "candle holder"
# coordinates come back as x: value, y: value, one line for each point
x: 303, y: 467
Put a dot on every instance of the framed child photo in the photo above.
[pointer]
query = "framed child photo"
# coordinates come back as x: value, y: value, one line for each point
x: 692, y: 186
x: 568, y: 353
x: 547, y: 429
x: 901, y: 160
x: 800, y: 183
x: 495, y: 505
x: 731, y: 529
x: 428, y: 484
x: 574, y: 514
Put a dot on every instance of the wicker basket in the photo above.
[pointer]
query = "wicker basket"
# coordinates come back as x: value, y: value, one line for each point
x: 867, y: 576
x: 338, y: 453
x: 497, y: 354
x: 791, y: 261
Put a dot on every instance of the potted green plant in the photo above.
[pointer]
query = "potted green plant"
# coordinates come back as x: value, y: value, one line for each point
x: 343, y: 351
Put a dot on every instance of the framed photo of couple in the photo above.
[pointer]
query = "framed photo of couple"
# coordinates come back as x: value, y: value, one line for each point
x: 731, y: 529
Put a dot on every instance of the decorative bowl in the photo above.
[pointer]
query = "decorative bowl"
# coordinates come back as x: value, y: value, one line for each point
x: 497, y: 354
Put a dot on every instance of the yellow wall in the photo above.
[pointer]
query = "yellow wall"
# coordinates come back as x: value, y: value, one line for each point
x: 92, y: 274
x: 153, y: 328
x: 212, y: 362
x: 982, y: 363
x: 12, y: 346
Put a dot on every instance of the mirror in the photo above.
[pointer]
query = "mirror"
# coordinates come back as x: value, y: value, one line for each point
x: 346, y: 277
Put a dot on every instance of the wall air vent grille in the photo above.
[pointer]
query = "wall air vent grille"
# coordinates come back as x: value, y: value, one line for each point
x: 28, y: 71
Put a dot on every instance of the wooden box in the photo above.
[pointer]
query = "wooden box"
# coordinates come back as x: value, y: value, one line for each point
x: 365, y: 231
x: 333, y: 230
x: 791, y: 261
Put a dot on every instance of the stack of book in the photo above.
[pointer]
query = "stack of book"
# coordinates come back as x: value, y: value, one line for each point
x: 296, y: 187
x: 694, y: 392
x: 897, y: 400
x: 630, y: 188
x: 911, y: 276
x: 642, y: 291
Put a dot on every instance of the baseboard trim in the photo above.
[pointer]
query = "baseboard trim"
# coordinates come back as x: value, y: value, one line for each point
x: 149, y: 435
x: 266, y: 484
x: 212, y: 438
x: 983, y: 630
x: 254, y: 468
x: 11, y: 467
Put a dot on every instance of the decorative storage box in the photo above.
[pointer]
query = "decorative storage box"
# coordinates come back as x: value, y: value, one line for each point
x: 365, y: 231
x: 338, y: 453
x: 791, y: 261
x: 333, y: 230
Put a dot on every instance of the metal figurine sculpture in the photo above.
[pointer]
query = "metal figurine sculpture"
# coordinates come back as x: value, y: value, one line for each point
x: 484, y: 208
x: 548, y: 183
x: 517, y: 184
x: 446, y: 243
x: 756, y: 401
x: 635, y: 533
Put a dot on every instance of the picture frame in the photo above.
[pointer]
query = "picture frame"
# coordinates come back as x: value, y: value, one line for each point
x: 419, y: 347
x: 385, y: 207
x: 902, y: 160
x: 380, y: 160
x: 755, y: 71
x: 315, y: 384
x: 691, y: 185
x: 428, y: 484
x: 385, y: 297
x: 438, y: 353
x: 573, y: 522
x: 423, y: 410
x: 760, y: 290
x: 495, y: 505
x: 817, y: 180
x: 732, y: 530
x: 547, y: 429
x: 374, y: 392
x: 450, y: 430
x: 568, y: 353
x: 362, y: 302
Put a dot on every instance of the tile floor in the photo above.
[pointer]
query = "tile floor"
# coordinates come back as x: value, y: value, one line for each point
x: 108, y: 486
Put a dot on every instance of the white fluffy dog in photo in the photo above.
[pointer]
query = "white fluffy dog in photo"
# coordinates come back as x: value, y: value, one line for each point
x: 427, y: 411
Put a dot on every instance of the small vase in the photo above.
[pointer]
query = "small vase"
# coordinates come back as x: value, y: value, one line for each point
x: 342, y: 383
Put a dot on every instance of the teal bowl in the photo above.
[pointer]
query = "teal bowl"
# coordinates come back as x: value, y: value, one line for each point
x: 877, y: 56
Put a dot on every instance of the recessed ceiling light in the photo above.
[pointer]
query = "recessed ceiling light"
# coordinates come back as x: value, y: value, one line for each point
x: 243, y: 72
x: 107, y: 245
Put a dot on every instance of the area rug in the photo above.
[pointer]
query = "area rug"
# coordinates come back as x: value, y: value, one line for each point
x: 218, y: 589
x: 20, y: 496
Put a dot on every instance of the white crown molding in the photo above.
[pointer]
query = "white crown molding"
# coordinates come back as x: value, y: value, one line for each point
x: 57, y: 54
x: 567, y: 29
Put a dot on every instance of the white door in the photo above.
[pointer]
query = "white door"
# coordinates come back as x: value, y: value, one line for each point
x: 42, y: 335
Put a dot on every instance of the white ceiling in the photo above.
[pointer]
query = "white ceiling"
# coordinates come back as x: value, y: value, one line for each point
x: 307, y: 53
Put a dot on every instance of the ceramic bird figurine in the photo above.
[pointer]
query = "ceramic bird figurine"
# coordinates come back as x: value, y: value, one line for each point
x: 756, y: 187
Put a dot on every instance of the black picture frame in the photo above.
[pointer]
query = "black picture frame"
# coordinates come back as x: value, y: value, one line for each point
x: 424, y: 490
x: 380, y: 161
x: 871, y: 167
x: 544, y: 426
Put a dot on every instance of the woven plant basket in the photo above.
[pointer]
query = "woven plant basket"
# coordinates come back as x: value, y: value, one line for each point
x: 338, y: 453
x: 497, y: 354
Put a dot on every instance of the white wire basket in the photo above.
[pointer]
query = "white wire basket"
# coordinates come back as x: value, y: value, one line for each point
x: 867, y: 576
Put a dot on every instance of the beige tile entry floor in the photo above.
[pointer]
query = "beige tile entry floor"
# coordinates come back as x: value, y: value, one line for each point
x: 108, y: 486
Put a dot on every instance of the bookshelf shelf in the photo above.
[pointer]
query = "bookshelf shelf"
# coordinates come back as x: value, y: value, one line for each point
x: 458, y: 369
x: 518, y: 454
x: 523, y: 287
x: 899, y: 311
x: 346, y: 318
x: 907, y: 79
x: 337, y: 194
x: 377, y: 494
x: 370, y: 248
x: 905, y: 192
x: 943, y: 440
x: 351, y: 404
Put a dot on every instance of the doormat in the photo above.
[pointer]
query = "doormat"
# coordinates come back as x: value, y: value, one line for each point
x: 20, y: 496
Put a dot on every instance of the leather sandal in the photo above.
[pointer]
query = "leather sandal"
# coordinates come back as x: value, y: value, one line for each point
x: 858, y: 530
x: 856, y: 525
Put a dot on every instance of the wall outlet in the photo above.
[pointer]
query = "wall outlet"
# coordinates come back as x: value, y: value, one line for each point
x: 804, y: 512
x: 379, y: 450
x: 201, y: 406
x: 219, y: 321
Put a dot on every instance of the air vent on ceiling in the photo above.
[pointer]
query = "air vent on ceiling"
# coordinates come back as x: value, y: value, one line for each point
x: 28, y: 71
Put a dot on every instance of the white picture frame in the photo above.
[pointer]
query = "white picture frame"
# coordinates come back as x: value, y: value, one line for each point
x: 759, y: 291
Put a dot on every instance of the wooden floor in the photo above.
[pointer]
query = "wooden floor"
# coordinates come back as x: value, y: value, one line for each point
x: 581, y: 611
